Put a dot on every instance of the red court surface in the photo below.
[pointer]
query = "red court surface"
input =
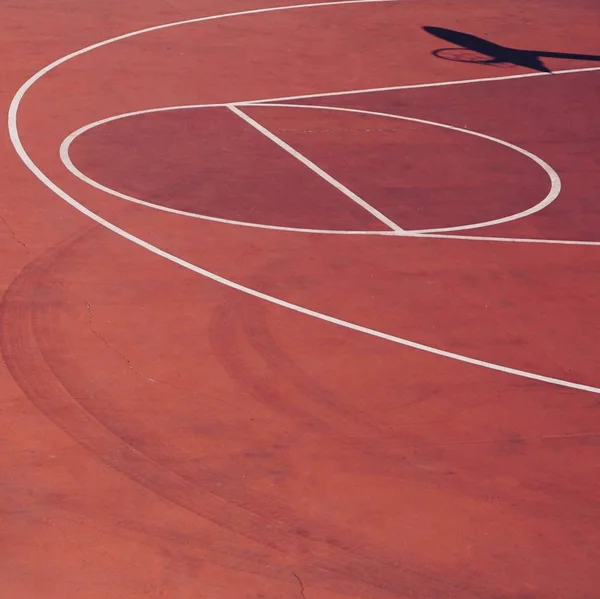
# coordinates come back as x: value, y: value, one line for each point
x: 298, y: 305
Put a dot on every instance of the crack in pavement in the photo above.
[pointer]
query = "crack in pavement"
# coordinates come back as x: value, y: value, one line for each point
x: 193, y: 392
x: 105, y: 341
x: 89, y: 311
x: 12, y: 233
x: 301, y: 585
x: 122, y: 356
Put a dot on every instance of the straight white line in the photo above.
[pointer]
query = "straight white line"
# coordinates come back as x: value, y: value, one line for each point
x: 555, y: 183
x: 316, y: 169
x: 505, y: 239
x: 420, y: 86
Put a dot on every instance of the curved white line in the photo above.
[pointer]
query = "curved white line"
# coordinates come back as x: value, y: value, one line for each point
x: 65, y: 157
x: 555, y: 184
x: 19, y: 148
x: 66, y: 160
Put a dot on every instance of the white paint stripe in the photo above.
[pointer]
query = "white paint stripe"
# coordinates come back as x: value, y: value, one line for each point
x: 316, y: 169
x: 555, y: 184
x: 18, y: 145
x: 420, y: 86
x: 505, y: 239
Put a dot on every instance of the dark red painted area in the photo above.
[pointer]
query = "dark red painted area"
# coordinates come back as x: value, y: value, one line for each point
x: 418, y: 175
x: 166, y: 436
x: 208, y: 161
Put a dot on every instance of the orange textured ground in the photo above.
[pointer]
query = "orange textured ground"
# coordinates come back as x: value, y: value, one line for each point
x: 167, y: 435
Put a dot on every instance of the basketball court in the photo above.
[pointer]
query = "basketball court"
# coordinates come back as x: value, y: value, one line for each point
x: 300, y: 300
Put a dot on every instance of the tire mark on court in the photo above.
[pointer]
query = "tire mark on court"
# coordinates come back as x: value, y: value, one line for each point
x: 326, y: 556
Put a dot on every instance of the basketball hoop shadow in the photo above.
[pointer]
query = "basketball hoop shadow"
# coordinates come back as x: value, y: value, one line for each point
x: 473, y: 49
x: 471, y: 56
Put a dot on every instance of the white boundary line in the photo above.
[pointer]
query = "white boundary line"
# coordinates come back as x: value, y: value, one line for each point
x: 507, y: 239
x: 369, y: 90
x: 316, y: 169
x: 553, y: 193
x: 22, y: 153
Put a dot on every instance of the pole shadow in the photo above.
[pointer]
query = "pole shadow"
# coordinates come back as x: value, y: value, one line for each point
x: 470, y: 48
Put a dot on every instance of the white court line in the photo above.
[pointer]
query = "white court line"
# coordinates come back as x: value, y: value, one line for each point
x: 551, y: 196
x: 15, y: 138
x: 316, y: 169
x: 505, y: 239
x: 369, y: 90
x: 555, y: 184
